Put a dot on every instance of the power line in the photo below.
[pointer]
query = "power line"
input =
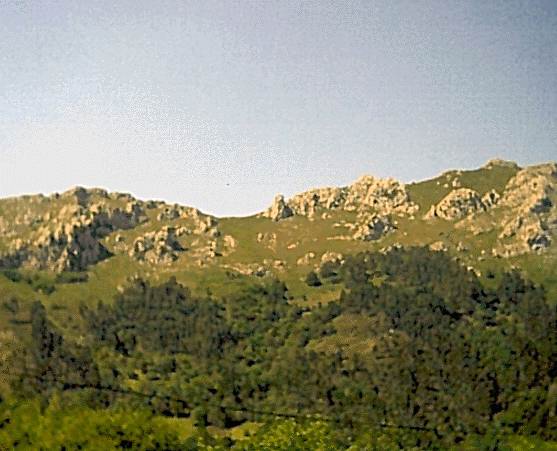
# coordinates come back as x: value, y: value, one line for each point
x: 310, y: 416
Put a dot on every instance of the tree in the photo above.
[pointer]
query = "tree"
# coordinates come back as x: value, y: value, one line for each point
x: 312, y: 279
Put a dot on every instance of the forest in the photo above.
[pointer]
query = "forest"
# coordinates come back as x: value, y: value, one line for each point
x: 417, y: 352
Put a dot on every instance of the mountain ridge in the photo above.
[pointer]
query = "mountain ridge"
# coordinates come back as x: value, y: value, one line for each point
x: 498, y: 214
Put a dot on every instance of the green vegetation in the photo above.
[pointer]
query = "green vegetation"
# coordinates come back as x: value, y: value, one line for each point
x: 144, y: 325
x: 415, y: 352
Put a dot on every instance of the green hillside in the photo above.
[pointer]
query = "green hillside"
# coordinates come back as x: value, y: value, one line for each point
x: 372, y: 316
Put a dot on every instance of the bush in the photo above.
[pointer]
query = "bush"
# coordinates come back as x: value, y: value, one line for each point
x: 312, y: 279
x: 12, y: 274
x: 72, y: 277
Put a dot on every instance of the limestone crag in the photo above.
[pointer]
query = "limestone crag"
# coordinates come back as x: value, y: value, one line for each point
x: 267, y: 239
x: 383, y: 196
x: 278, y: 210
x: 157, y: 247
x: 373, y: 228
x: 531, y: 189
x: 457, y: 204
x: 175, y: 211
x: 491, y: 198
x: 438, y: 246
x: 71, y: 240
x: 528, y: 211
x: 205, y: 224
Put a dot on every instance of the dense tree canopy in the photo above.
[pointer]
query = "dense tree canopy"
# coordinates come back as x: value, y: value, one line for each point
x: 428, y: 356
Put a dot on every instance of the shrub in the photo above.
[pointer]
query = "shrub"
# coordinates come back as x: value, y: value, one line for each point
x: 313, y: 280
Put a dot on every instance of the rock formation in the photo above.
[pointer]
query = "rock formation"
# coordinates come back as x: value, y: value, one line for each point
x: 374, y: 199
x: 457, y: 204
x: 373, y: 228
x: 157, y: 247
x: 278, y: 210
x: 527, y: 205
x: 383, y: 196
x: 70, y: 241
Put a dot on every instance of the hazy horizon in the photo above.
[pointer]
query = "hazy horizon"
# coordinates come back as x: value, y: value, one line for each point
x: 222, y: 105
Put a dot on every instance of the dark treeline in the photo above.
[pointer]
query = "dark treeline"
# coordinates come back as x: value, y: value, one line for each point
x: 443, y: 358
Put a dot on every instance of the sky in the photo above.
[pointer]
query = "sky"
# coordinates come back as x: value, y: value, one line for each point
x: 223, y: 104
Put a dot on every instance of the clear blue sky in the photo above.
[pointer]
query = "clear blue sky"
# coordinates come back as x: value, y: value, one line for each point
x: 221, y: 105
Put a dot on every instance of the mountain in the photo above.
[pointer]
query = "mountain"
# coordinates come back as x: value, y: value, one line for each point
x: 499, y: 215
x: 417, y: 315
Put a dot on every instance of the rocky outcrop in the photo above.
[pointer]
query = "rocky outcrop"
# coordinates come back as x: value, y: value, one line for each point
x: 230, y: 242
x: 306, y: 259
x: 71, y: 240
x: 384, y: 196
x: 267, y: 239
x: 491, y: 199
x: 521, y: 235
x: 497, y: 162
x: 438, y: 246
x: 531, y: 189
x: 71, y: 248
x: 457, y: 204
x: 375, y: 200
x: 278, y: 210
x: 205, y: 225
x: 249, y: 269
x: 157, y: 247
x: 368, y: 194
x: 175, y: 211
x: 334, y: 257
x: 527, y: 205
x: 373, y: 228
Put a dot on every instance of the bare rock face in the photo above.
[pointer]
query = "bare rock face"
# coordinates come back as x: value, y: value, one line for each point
x: 157, y: 247
x: 309, y: 202
x: 367, y: 194
x: 230, y: 242
x: 528, y: 207
x: 174, y: 211
x: 278, y: 210
x: 385, y: 196
x: 491, y: 198
x: 457, y: 204
x: 373, y: 228
x: 522, y: 234
x: 267, y: 239
x: 374, y: 199
x: 531, y: 189
x: 70, y: 241
x: 70, y: 248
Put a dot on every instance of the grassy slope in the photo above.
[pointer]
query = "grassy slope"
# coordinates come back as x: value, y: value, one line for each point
x: 294, y: 238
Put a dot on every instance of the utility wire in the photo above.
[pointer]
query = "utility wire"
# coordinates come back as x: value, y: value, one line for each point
x: 310, y: 416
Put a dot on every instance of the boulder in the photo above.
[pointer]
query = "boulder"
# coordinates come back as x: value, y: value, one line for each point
x: 334, y: 257
x: 305, y: 259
